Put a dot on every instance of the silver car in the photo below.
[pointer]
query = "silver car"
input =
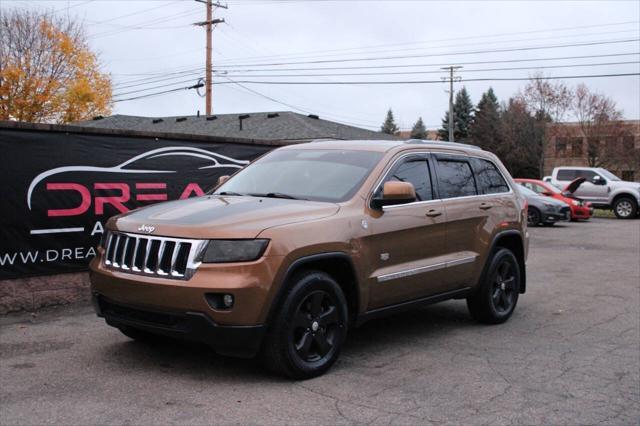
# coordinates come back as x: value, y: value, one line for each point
x: 544, y: 210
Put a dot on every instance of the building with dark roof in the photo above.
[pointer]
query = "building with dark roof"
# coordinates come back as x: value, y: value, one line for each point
x: 280, y: 126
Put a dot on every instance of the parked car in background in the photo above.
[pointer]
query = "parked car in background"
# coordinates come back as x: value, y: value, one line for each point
x: 580, y: 209
x: 602, y: 188
x: 544, y: 210
x: 313, y: 239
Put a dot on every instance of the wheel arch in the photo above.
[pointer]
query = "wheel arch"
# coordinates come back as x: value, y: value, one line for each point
x: 513, y: 241
x: 337, y: 264
x: 619, y: 195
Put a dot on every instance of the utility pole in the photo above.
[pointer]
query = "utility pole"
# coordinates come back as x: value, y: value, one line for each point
x: 451, y: 79
x: 209, y: 22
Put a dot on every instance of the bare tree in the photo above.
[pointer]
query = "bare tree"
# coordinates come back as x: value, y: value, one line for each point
x: 47, y: 71
x: 549, y: 101
x: 600, y: 122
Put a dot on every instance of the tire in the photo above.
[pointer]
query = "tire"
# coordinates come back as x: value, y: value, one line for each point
x: 533, y: 216
x: 309, y: 327
x: 496, y: 298
x: 625, y: 208
x: 139, y: 335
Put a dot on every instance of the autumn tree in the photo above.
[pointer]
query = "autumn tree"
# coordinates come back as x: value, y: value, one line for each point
x: 389, y: 125
x: 549, y: 102
x: 600, y: 123
x: 48, y: 74
x: 462, y: 118
x: 485, y: 130
x: 419, y: 131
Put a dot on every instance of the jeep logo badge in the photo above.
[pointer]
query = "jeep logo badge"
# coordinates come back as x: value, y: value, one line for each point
x: 146, y: 228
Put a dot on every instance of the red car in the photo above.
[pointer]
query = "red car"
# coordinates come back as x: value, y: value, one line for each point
x: 579, y: 209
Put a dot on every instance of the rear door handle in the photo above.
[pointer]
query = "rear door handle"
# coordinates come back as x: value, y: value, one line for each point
x: 433, y: 213
x: 485, y: 206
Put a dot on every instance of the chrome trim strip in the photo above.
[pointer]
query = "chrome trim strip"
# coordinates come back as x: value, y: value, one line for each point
x: 410, y: 272
x: 422, y: 269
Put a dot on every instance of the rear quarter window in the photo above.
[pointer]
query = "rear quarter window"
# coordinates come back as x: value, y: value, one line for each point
x: 488, y: 177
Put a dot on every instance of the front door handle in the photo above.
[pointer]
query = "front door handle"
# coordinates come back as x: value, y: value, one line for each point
x: 485, y: 206
x: 433, y: 213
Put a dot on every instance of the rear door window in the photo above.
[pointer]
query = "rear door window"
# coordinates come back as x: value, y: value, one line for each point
x: 455, y: 178
x: 566, y: 174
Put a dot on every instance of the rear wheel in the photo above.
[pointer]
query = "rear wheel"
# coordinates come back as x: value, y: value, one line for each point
x: 533, y: 216
x: 625, y: 208
x: 496, y: 299
x: 308, y: 330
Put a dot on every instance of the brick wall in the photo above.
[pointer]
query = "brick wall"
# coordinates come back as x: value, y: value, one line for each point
x: 29, y: 294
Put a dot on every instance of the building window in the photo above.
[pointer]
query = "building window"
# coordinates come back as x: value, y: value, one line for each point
x: 628, y: 175
x: 576, y: 147
x: 628, y: 143
x: 611, y: 144
x: 561, y: 147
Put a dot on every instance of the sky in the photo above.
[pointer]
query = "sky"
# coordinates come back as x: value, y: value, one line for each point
x: 151, y: 46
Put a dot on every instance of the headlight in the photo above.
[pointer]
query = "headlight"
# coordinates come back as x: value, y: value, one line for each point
x: 220, y: 251
x: 549, y: 206
x: 575, y: 202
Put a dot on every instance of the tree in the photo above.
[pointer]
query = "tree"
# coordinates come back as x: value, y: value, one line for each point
x: 485, y: 130
x: 389, y: 126
x: 548, y: 102
x: 599, y: 121
x: 462, y: 118
x: 47, y: 71
x: 521, y: 140
x: 419, y: 131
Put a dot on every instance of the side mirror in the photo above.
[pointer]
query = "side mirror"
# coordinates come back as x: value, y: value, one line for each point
x: 597, y: 180
x: 395, y: 192
x: 222, y: 179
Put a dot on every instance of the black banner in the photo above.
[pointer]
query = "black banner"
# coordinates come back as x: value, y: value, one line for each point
x: 59, y: 189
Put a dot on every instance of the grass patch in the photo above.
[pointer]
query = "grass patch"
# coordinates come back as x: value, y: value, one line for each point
x: 604, y: 213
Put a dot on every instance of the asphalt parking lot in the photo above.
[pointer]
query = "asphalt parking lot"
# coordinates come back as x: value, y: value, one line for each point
x: 569, y: 355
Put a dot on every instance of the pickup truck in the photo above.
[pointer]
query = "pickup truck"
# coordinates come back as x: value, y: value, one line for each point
x: 602, y: 188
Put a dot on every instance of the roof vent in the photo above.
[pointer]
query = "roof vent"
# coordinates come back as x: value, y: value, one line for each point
x: 241, y: 118
x: 178, y: 120
x: 314, y: 116
x: 98, y: 117
x: 273, y: 115
x: 157, y: 120
x: 212, y: 117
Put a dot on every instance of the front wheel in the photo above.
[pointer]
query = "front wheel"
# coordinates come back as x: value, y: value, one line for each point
x: 309, y: 328
x: 496, y: 298
x: 533, y: 216
x: 625, y: 208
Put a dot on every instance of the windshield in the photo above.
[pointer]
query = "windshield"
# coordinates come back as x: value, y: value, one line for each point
x: 608, y: 175
x: 318, y: 175
x: 526, y: 191
x: 552, y: 189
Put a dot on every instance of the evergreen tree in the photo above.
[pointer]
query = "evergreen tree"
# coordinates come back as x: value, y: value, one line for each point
x: 485, y: 130
x: 462, y: 118
x: 419, y: 131
x: 389, y: 126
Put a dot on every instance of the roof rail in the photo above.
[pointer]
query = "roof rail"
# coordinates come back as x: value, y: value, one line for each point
x: 428, y: 141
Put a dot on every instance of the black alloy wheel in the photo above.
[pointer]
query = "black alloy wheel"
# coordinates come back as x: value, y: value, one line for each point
x: 307, y: 330
x: 503, y: 290
x: 316, y: 324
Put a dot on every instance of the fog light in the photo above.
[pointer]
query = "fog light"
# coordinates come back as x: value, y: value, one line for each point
x: 227, y: 300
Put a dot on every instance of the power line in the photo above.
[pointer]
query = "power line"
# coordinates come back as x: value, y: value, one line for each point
x: 159, y: 93
x: 428, y: 81
x: 152, y: 88
x: 383, y: 58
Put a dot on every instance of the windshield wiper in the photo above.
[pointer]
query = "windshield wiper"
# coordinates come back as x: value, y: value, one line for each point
x: 229, y: 193
x: 277, y: 195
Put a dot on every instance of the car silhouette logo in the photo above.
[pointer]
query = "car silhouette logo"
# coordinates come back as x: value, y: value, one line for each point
x: 148, y: 229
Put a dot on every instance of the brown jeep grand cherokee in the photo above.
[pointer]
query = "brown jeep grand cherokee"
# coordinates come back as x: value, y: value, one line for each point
x: 312, y: 239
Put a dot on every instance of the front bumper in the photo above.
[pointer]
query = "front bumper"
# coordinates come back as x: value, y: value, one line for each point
x: 240, y: 341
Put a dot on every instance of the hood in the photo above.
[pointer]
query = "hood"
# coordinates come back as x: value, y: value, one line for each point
x: 624, y: 184
x: 574, y: 185
x: 215, y: 216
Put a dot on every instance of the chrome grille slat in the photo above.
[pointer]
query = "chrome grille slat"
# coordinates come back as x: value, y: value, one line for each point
x: 166, y: 257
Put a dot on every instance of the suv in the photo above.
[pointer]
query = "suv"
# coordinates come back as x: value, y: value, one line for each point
x: 602, y: 188
x: 310, y: 240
